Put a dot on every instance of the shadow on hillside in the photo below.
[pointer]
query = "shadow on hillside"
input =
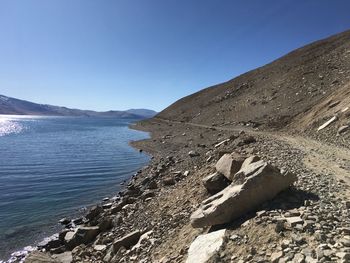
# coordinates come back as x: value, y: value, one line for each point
x: 289, y: 199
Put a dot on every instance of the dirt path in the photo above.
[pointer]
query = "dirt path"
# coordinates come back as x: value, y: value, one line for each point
x: 323, y: 158
x: 319, y: 157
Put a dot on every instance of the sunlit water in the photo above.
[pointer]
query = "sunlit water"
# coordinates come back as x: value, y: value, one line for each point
x: 51, y: 167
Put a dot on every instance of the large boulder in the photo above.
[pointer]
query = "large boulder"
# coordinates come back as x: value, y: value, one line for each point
x: 215, y: 182
x: 205, y: 246
x: 229, y: 164
x: 262, y: 182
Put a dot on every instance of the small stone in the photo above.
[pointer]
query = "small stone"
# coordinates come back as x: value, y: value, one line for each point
x: 168, y: 181
x: 100, y: 247
x: 193, y: 153
x: 275, y: 257
x: 64, y: 221
x: 235, y: 237
x: 345, y: 241
x: 299, y: 258
x: 299, y: 240
x: 107, y: 206
x: 343, y: 129
x: 279, y: 226
x: 293, y: 221
x: 343, y: 256
x: 285, y: 244
x: 127, y: 241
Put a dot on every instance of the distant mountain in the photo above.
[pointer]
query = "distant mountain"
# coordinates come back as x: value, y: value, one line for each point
x: 143, y: 112
x: 10, y: 105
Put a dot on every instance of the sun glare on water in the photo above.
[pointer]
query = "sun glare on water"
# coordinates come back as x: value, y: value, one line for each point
x: 8, y: 126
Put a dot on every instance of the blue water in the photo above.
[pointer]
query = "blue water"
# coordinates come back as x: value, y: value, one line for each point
x: 51, y: 167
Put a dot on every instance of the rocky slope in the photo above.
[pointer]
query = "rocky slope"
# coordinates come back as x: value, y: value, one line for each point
x: 275, y: 94
x: 270, y: 138
x: 21, y: 107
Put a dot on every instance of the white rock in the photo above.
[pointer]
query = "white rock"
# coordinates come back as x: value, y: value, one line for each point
x: 100, y: 247
x: 205, y: 246
x: 292, y: 221
x: 327, y: 123
x: 221, y: 143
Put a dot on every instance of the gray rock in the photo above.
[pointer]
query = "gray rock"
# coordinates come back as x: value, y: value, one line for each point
x: 168, y: 181
x: 193, y: 153
x: 105, y: 224
x: 250, y: 160
x: 263, y: 183
x: 107, y: 205
x: 275, y: 257
x: 345, y: 241
x: 246, y: 170
x: 152, y: 185
x: 86, y: 234
x: 343, y: 129
x: 127, y: 241
x: 299, y: 258
x: 204, y: 247
x: 293, y: 221
x: 345, y: 256
x: 215, y: 182
x: 69, y: 239
x: 100, y: 247
x: 229, y: 164
x: 64, y: 221
x: 327, y: 123
x: 82, y: 235
x: 94, y: 212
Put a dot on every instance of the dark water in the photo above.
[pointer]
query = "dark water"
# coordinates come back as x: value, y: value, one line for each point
x: 51, y: 167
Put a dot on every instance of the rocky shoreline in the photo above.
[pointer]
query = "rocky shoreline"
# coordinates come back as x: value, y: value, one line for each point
x: 149, y: 221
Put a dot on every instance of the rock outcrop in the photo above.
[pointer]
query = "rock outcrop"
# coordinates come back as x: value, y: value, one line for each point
x: 262, y: 182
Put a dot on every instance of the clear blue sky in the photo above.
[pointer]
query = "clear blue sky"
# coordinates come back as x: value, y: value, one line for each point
x: 122, y: 54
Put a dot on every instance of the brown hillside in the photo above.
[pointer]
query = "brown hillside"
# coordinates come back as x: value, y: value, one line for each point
x: 274, y: 94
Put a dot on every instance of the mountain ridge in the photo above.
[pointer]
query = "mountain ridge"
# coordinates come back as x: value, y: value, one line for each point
x: 14, y: 106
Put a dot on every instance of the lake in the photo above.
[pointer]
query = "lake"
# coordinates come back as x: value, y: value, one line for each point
x: 54, y: 167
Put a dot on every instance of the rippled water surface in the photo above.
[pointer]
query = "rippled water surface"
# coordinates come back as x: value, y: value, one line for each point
x: 51, y: 167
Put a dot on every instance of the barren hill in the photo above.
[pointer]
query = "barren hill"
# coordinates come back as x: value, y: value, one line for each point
x: 272, y: 95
